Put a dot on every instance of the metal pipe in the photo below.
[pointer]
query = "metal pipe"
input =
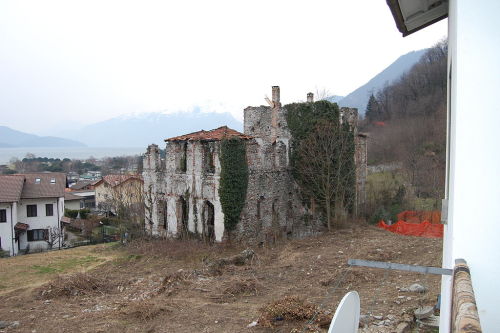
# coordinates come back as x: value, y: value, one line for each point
x: 12, y: 229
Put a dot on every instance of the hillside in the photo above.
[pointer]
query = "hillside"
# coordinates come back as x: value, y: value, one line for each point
x: 144, y: 129
x: 177, y: 286
x: 406, y: 126
x: 10, y: 138
x: 359, y: 97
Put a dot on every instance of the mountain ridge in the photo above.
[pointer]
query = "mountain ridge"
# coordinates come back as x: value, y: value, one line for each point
x: 11, y: 138
x: 143, y: 129
x: 359, y: 97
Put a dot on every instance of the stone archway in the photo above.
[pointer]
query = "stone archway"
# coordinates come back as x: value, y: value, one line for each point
x: 209, y: 220
x: 182, y: 216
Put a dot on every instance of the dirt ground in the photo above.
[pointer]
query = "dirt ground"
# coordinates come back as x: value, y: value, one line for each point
x: 183, y: 286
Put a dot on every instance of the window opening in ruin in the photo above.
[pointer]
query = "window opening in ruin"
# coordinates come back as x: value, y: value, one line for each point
x: 208, y: 157
x: 182, y: 158
x: 209, y: 220
x: 165, y: 216
x: 182, y: 216
x: 289, y: 214
x: 275, y: 213
x: 258, y: 209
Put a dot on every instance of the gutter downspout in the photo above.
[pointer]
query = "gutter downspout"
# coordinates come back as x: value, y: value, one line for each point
x: 12, y: 229
x: 59, y: 223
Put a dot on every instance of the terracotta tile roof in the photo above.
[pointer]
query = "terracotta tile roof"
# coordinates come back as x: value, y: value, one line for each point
x: 217, y: 134
x: 115, y: 180
x: 44, y: 185
x: 11, y: 188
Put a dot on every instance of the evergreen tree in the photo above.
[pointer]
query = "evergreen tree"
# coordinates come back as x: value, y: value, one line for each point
x: 373, y: 109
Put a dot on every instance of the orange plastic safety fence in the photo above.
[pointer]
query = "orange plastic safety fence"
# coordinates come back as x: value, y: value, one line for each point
x: 424, y: 229
x: 413, y: 216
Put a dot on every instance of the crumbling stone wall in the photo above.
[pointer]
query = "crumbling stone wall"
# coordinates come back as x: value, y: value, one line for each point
x: 180, y: 198
x: 350, y: 116
x: 273, y: 208
x: 182, y: 191
x: 360, y: 160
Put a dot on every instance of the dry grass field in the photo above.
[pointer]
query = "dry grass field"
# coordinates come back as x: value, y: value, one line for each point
x: 35, y: 269
x: 189, y: 286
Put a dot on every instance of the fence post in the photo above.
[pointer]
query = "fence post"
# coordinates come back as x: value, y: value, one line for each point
x: 464, y: 316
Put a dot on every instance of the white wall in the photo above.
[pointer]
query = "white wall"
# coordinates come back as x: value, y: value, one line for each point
x: 474, y: 184
x: 72, y: 204
x: 6, y: 229
x: 41, y: 221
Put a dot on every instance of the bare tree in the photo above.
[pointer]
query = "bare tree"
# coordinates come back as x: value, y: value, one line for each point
x: 54, y: 236
x: 326, y: 168
x: 127, y: 200
x: 322, y: 94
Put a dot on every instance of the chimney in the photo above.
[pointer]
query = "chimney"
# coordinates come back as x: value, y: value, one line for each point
x: 276, y: 96
x: 310, y: 97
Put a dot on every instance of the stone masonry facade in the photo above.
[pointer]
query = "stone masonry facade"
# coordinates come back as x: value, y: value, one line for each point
x: 181, y: 191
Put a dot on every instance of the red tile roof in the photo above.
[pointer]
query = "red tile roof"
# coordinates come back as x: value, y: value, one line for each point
x: 11, y: 188
x: 115, y: 180
x: 217, y: 134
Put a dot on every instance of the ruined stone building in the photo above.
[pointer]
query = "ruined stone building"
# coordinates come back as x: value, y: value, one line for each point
x: 182, y: 191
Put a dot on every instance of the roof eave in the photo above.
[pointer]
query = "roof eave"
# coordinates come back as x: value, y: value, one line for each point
x: 400, y: 23
x: 42, y: 196
x: 210, y: 140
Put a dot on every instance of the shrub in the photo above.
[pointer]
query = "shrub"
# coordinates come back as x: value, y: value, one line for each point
x: 288, y: 308
x: 74, y: 285
x: 144, y: 310
x: 71, y: 213
x: 84, y: 213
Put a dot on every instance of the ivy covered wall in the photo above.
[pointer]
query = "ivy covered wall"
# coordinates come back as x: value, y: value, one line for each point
x: 233, y: 180
x: 322, y: 156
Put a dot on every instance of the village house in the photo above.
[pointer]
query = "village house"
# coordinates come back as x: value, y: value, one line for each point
x: 182, y: 191
x: 113, y: 192
x: 72, y: 201
x: 31, y: 208
x: 84, y: 189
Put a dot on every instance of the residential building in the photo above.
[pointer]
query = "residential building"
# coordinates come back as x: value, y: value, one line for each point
x: 81, y: 185
x: 72, y: 201
x: 31, y: 207
x: 85, y: 190
x: 91, y: 175
x: 113, y: 192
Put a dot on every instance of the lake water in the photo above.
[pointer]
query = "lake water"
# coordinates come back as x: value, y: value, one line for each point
x: 68, y: 152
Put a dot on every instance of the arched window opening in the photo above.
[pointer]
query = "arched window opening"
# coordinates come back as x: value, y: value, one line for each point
x: 182, y: 216
x: 209, y: 220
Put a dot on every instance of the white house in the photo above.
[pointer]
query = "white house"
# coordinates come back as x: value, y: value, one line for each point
x: 72, y: 201
x: 31, y: 207
x: 472, y: 220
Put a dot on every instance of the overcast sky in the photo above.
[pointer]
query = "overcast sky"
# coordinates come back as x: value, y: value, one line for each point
x: 79, y: 62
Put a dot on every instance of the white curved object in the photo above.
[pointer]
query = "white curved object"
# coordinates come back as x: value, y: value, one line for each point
x: 346, y: 318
